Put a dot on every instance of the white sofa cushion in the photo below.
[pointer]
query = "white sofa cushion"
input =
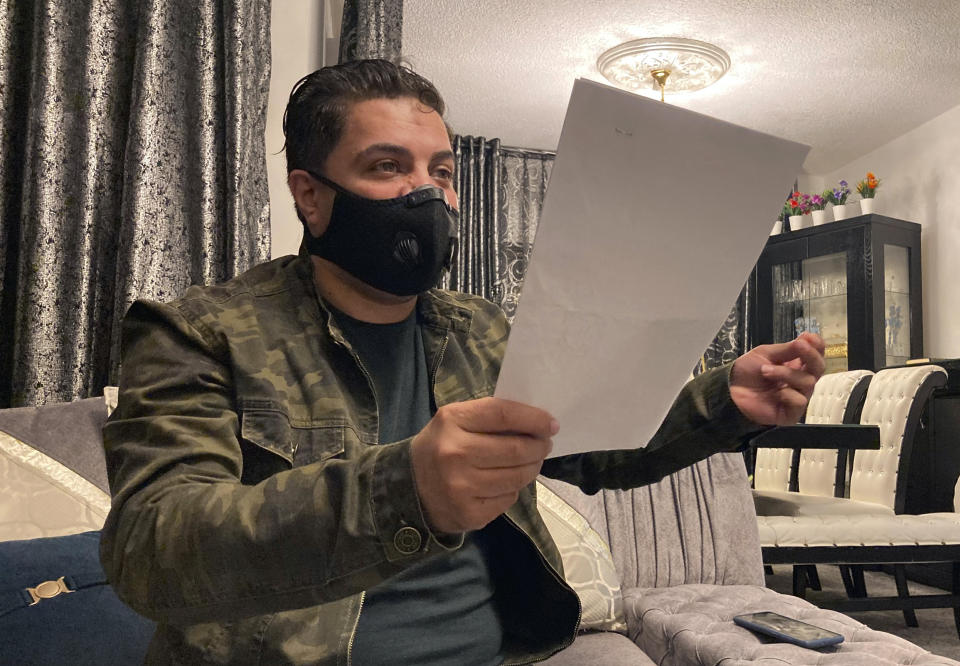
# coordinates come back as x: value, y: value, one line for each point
x: 777, y: 503
x: 931, y: 529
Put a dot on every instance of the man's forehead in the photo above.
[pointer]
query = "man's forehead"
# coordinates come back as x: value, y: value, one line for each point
x: 393, y: 121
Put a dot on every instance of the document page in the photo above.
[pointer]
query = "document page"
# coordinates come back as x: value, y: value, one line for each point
x: 653, y: 220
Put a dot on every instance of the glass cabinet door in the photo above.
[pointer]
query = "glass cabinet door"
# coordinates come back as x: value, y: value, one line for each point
x: 896, y: 303
x: 811, y: 295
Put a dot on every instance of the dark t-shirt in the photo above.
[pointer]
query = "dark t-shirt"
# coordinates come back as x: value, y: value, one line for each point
x: 440, y: 611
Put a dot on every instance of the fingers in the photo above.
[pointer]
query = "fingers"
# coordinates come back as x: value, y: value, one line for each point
x: 799, y: 380
x: 490, y: 483
x: 814, y: 340
x: 807, y: 349
x: 473, y: 458
x: 495, y: 415
x: 498, y: 451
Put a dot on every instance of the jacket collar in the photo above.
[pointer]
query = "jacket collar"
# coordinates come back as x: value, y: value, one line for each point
x: 437, y: 308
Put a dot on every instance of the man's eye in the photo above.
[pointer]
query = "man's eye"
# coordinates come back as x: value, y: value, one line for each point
x: 443, y: 173
x: 388, y: 166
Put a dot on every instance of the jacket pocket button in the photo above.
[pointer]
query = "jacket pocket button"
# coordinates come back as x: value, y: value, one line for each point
x: 407, y: 540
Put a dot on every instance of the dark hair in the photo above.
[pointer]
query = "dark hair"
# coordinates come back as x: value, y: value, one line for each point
x: 318, y: 105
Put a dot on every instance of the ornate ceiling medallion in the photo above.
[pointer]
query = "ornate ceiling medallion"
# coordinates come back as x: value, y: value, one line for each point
x: 691, y: 64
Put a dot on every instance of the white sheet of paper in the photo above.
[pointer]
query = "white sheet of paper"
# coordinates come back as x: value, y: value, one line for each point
x: 653, y: 219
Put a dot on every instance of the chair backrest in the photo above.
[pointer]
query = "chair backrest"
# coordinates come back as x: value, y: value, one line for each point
x: 697, y: 525
x: 837, y: 398
x: 895, y: 401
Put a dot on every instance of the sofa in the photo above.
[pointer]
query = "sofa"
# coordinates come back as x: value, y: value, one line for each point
x: 660, y: 570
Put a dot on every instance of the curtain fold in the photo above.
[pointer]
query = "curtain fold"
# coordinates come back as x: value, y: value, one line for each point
x: 133, y: 165
x: 732, y: 339
x: 371, y: 29
x: 501, y: 192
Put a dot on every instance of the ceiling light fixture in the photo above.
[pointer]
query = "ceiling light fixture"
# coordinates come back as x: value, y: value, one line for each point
x: 667, y: 64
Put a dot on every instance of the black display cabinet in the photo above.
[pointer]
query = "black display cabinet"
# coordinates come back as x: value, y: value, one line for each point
x: 855, y: 282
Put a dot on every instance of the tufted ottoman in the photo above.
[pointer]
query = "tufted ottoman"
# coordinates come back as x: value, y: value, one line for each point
x: 690, y: 625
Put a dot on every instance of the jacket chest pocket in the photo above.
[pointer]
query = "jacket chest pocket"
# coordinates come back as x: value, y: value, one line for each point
x: 270, y: 431
x: 316, y: 444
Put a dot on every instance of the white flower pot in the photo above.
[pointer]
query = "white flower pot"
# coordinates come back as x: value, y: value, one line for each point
x: 777, y: 228
x: 840, y: 212
x: 796, y: 222
x: 819, y: 217
x: 866, y: 206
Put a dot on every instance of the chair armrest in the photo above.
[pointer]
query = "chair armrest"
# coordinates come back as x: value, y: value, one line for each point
x: 819, y: 436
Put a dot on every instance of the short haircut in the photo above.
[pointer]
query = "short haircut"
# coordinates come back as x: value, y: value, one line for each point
x: 317, y: 110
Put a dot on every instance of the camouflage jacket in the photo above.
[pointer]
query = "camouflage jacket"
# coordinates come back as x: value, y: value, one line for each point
x: 252, y: 507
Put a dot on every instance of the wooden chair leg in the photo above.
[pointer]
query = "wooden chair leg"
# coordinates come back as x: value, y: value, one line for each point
x: 900, y: 576
x: 859, y: 584
x: 813, y: 578
x: 853, y: 581
x: 847, y: 579
x: 799, y: 581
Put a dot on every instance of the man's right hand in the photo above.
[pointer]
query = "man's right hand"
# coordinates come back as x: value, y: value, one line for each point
x: 473, y: 458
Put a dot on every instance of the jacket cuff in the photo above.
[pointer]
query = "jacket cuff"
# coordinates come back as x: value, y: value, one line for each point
x: 397, y: 513
x: 722, y: 413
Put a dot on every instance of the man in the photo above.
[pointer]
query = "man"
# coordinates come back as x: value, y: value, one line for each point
x: 306, y: 463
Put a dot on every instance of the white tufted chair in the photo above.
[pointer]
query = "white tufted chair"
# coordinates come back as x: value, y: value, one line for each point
x: 895, y: 400
x: 794, y: 526
x: 836, y: 399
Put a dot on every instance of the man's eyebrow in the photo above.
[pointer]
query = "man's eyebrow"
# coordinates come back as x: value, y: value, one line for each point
x: 383, y: 148
x: 399, y: 151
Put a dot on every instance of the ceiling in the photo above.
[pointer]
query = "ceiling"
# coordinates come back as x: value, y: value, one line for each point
x: 843, y: 76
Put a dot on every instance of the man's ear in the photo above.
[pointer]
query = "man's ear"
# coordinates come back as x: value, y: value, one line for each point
x: 313, y: 200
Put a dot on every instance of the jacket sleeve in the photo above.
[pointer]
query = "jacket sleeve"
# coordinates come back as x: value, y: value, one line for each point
x: 702, y: 421
x: 186, y: 542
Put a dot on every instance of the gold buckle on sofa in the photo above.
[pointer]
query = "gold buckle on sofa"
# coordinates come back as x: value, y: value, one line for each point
x: 48, y: 589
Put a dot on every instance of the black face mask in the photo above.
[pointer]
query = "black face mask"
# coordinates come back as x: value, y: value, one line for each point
x: 401, y: 245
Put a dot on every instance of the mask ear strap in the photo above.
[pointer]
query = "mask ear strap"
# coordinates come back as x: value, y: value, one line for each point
x: 329, y: 183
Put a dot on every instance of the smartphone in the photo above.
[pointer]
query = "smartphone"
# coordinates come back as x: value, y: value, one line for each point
x: 787, y: 629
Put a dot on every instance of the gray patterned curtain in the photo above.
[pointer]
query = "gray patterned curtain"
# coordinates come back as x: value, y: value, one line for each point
x: 501, y: 192
x: 371, y: 29
x: 733, y: 338
x: 133, y: 165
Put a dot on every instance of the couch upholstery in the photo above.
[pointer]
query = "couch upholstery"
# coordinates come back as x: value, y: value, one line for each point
x: 688, y: 552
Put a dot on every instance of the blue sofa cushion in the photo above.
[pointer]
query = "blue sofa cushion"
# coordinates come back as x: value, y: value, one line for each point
x: 89, y: 626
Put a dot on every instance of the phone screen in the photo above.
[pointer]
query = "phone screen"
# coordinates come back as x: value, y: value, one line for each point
x: 775, y: 624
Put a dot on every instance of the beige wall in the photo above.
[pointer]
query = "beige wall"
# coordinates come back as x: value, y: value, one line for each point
x: 295, y: 34
x: 921, y: 183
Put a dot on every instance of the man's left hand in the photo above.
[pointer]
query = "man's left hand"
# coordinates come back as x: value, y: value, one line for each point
x: 772, y: 384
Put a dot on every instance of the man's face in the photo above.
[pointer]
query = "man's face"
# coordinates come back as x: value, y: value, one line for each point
x: 388, y: 148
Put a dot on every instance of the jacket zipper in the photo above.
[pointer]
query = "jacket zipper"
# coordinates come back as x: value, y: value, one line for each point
x: 373, y: 391
x: 366, y: 375
x: 353, y: 632
x: 560, y: 580
x: 436, y: 368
